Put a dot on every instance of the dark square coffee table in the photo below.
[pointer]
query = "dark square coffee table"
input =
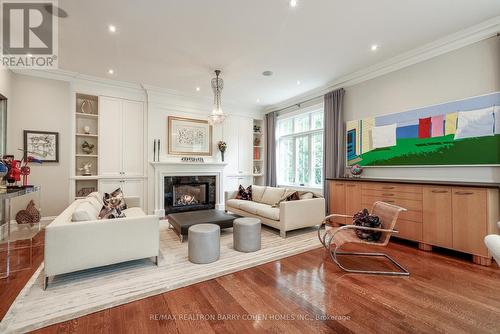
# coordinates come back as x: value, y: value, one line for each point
x: 183, y: 220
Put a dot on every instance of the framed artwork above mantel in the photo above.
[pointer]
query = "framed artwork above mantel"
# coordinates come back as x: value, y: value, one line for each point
x: 187, y: 136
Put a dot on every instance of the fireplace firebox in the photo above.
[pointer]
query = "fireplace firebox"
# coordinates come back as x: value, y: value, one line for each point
x: 189, y: 193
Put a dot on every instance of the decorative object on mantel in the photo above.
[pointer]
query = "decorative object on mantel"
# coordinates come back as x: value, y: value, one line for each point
x: 86, y: 129
x: 222, y: 148
x: 356, y: 170
x: 156, y: 150
x: 42, y: 145
x: 87, y: 148
x: 85, y: 191
x: 189, y: 136
x: 86, y: 107
x: 192, y: 159
x: 217, y: 115
x: 85, y: 169
x: 257, y: 129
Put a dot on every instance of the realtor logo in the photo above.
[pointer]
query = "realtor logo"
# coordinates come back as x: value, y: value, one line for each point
x: 29, y: 34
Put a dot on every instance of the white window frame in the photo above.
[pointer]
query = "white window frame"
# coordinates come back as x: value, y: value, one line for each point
x: 310, y: 133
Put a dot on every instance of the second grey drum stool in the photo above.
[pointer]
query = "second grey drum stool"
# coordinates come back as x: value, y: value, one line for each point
x: 204, y: 243
x: 246, y: 234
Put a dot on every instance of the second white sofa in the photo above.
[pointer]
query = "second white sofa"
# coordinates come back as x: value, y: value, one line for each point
x: 287, y: 216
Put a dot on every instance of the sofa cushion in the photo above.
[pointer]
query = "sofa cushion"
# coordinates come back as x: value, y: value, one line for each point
x: 268, y: 212
x: 84, y: 211
x: 134, y: 212
x: 97, y: 196
x: 235, y: 203
x: 306, y: 195
x: 95, y: 202
x: 250, y: 207
x: 257, y: 193
x: 272, y: 195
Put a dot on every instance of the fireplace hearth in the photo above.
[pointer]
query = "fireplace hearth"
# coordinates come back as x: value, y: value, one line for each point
x: 189, y: 193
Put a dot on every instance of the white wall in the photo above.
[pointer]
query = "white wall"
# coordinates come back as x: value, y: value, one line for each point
x: 42, y: 104
x: 471, y: 71
x: 162, y: 104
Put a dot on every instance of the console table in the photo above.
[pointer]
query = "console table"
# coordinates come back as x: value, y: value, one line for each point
x: 453, y: 215
x: 6, y: 237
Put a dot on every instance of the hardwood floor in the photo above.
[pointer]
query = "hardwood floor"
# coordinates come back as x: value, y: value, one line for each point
x: 307, y: 293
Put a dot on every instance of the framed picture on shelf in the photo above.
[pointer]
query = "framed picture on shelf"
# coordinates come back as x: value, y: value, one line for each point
x: 42, y: 145
x: 188, y: 136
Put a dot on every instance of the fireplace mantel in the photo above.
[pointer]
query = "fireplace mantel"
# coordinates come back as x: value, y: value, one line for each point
x: 179, y: 168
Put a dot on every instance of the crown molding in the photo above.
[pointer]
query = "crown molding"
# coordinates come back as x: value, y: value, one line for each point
x: 428, y: 51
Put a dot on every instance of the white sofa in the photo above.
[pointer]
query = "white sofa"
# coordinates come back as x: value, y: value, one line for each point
x: 287, y: 216
x: 88, y: 243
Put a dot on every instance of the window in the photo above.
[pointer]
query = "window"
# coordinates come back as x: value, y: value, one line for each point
x: 300, y: 148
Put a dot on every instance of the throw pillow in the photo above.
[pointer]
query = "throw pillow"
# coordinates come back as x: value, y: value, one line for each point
x: 244, y: 194
x: 114, y: 204
x: 290, y: 195
x: 306, y: 195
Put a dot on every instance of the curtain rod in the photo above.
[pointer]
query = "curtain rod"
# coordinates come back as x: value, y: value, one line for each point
x: 298, y: 104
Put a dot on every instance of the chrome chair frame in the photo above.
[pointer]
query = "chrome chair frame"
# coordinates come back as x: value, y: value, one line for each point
x: 334, y: 252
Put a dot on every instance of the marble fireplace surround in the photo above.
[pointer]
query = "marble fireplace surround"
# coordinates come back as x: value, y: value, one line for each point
x: 177, y: 168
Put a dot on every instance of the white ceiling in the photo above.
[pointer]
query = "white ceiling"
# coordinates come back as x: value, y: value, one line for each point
x: 176, y: 44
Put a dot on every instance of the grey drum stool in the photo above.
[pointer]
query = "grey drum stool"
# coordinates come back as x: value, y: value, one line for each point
x: 204, y: 243
x: 246, y: 234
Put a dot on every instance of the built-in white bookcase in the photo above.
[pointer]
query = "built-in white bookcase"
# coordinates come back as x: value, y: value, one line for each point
x: 86, y: 116
x: 258, y: 152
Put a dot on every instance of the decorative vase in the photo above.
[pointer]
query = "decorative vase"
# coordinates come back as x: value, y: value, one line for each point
x: 222, y: 155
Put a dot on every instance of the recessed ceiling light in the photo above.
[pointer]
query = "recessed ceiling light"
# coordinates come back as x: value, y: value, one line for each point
x: 298, y: 82
x: 112, y: 28
x: 267, y: 73
x: 197, y: 89
x: 29, y: 55
x: 258, y: 100
x: 374, y: 47
x: 111, y: 71
x: 293, y: 3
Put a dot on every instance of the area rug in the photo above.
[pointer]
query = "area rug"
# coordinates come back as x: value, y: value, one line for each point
x: 74, y: 295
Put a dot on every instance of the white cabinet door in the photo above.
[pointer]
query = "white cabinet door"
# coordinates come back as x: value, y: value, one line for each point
x: 110, y: 136
x: 133, y: 138
x: 245, y: 146
x: 134, y: 188
x: 108, y: 186
x: 231, y: 128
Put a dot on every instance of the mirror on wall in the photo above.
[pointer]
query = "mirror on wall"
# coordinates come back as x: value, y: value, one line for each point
x: 3, y: 125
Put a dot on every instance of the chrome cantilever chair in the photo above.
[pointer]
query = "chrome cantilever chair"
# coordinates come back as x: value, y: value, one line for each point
x: 333, y: 237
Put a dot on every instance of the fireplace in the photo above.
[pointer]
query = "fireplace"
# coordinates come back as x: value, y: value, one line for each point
x: 189, y: 193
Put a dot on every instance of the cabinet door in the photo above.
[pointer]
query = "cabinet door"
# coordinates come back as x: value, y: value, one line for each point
x: 469, y: 220
x: 133, y: 138
x: 231, y: 139
x: 245, y: 146
x: 437, y: 216
x: 353, y: 199
x: 337, y: 200
x: 134, y: 188
x: 231, y: 183
x: 110, y: 136
x: 108, y: 186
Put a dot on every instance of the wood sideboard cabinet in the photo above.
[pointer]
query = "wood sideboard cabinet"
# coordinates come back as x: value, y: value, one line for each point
x: 450, y: 215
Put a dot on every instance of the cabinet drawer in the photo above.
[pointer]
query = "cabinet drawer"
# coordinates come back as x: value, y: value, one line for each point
x: 409, y: 230
x: 408, y: 204
x: 412, y: 215
x: 406, y: 188
x: 392, y: 194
